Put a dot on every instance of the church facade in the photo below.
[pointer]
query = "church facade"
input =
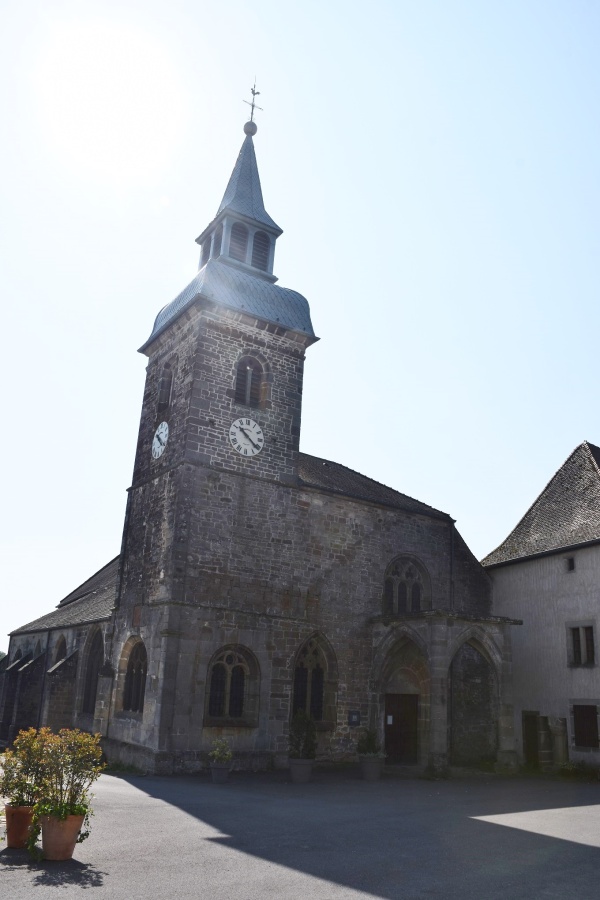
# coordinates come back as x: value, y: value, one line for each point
x: 255, y: 580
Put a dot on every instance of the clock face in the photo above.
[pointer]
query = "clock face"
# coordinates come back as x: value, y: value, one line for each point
x: 246, y: 437
x: 159, y: 442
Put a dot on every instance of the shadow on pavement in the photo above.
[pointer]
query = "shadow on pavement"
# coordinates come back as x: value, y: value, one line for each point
x: 419, y: 834
x: 54, y: 874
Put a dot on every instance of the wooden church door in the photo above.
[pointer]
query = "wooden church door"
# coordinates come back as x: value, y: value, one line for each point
x: 401, y: 718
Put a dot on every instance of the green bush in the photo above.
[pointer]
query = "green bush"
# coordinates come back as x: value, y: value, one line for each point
x: 368, y: 745
x: 24, y: 768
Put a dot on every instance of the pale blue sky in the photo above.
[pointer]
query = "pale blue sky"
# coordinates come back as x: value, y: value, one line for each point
x: 434, y: 166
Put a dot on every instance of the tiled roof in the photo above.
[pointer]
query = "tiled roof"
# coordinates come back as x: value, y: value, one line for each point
x: 229, y: 286
x: 567, y: 512
x: 90, y: 602
x: 331, y: 476
x: 243, y: 193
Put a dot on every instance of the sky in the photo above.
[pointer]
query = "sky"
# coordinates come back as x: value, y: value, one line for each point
x: 434, y: 166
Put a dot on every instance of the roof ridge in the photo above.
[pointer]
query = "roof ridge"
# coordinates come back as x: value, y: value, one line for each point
x: 65, y: 600
x: 595, y: 459
x: 537, y: 501
x: 372, y: 480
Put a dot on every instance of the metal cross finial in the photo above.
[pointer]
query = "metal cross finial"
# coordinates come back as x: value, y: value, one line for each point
x: 252, y: 103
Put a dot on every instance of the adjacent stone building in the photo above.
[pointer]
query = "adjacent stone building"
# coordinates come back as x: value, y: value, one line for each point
x: 253, y: 579
x: 547, y: 572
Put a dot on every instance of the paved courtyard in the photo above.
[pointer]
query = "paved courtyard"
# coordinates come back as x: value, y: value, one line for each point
x: 259, y: 836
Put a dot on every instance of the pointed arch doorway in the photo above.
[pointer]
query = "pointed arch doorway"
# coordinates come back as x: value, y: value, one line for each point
x: 404, y: 698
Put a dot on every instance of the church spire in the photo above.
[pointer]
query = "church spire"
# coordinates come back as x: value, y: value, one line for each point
x: 243, y: 194
x: 242, y: 234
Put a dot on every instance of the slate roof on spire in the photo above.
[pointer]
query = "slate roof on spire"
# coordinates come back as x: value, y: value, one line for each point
x: 243, y: 193
x: 566, y: 513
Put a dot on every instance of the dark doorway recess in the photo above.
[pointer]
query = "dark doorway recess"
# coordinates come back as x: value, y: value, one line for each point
x: 401, y: 719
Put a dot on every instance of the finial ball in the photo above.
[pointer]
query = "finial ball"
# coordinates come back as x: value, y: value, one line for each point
x: 250, y: 128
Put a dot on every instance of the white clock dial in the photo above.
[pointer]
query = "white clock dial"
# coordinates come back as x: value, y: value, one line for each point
x: 159, y: 442
x: 246, y: 437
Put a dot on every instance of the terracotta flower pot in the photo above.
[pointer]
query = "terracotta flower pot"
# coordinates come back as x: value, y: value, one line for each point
x: 301, y: 770
x: 18, y: 823
x: 59, y: 836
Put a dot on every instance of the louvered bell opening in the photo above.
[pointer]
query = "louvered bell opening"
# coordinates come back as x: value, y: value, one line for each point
x: 238, y: 242
x: 261, y: 246
x: 164, y: 388
x: 205, y: 252
x: 217, y: 241
x: 248, y: 382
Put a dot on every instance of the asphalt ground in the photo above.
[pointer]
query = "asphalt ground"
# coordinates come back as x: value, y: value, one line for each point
x: 259, y: 836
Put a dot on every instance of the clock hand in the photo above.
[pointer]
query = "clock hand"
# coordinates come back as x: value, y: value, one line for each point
x: 157, y: 436
x: 247, y: 436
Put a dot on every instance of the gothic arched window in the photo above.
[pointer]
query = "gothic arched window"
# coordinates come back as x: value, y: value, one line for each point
x: 165, y: 387
x: 233, y: 686
x: 314, y: 682
x: 135, y: 679
x: 248, y: 381
x: 95, y: 658
x: 261, y: 246
x: 238, y: 241
x: 406, y: 587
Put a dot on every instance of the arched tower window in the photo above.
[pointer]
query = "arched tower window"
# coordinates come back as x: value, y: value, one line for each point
x: 61, y: 649
x: 165, y: 388
x: 233, y: 688
x: 238, y: 241
x: 315, y: 682
x: 248, y: 382
x: 261, y: 246
x: 92, y: 670
x: 217, y: 242
x: 135, y: 679
x: 406, y: 587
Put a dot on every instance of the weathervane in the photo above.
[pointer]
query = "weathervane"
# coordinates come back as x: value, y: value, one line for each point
x: 252, y: 103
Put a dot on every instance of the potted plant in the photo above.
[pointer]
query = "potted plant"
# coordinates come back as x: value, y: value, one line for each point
x: 371, y: 758
x: 303, y: 747
x: 71, y: 765
x: 21, y: 783
x: 220, y: 760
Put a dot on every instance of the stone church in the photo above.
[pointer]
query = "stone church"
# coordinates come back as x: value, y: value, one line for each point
x: 255, y: 580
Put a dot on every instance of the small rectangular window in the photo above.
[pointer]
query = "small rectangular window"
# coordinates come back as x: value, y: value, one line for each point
x: 585, y: 726
x: 590, y: 653
x: 576, y: 646
x: 570, y: 564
